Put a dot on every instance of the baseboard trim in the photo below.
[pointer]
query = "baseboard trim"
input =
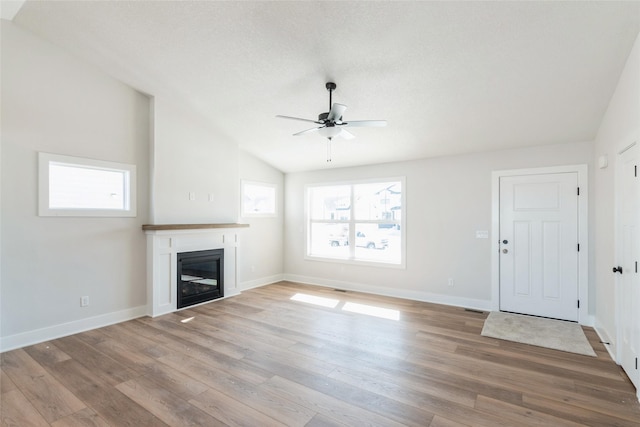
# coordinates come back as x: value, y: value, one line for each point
x: 483, y: 305
x: 24, y: 339
x: 263, y: 281
x: 605, y: 337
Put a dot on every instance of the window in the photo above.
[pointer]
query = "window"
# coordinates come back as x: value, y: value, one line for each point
x: 356, y: 222
x: 73, y: 186
x: 258, y: 199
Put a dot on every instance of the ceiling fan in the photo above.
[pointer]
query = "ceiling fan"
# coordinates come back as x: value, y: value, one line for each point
x: 331, y: 123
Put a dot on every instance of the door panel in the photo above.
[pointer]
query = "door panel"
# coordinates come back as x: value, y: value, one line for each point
x: 539, y: 261
x: 628, y: 200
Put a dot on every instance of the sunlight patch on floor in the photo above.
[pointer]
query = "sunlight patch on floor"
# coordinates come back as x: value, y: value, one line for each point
x: 311, y: 299
x: 372, y: 310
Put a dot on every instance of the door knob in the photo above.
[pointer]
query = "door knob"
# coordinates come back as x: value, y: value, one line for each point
x: 504, y: 251
x: 617, y: 269
x: 505, y: 242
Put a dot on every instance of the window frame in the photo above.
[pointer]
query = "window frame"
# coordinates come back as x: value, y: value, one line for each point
x: 45, y: 160
x: 352, y: 222
x: 274, y: 187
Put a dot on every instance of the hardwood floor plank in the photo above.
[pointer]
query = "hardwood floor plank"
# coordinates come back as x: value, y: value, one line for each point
x: 101, y: 396
x: 580, y: 415
x: 47, y: 353
x: 271, y: 405
x: 321, y: 421
x: 94, y: 360
x: 263, y: 359
x: 6, y: 385
x: 404, y: 385
x: 17, y: 411
x: 328, y: 406
x: 522, y: 416
x: 45, y: 393
x: 389, y: 408
x: 231, y: 411
x: 439, y: 421
x: 165, y: 405
x: 83, y: 418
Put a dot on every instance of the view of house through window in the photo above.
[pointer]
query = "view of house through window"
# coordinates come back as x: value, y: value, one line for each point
x: 357, y: 221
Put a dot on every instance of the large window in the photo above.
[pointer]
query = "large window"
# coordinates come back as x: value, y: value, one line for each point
x: 74, y: 186
x: 358, y: 221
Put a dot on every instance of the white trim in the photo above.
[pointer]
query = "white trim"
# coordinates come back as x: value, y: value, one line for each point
x: 583, y: 232
x: 263, y: 281
x: 24, y: 339
x: 476, y: 304
x: 606, y: 338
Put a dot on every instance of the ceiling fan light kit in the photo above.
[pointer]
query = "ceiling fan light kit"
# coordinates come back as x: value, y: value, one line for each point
x: 331, y: 123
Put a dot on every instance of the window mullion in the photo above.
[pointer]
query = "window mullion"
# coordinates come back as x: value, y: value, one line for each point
x: 352, y: 224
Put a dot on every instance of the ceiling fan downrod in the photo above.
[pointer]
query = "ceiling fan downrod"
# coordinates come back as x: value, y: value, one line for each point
x: 331, y: 86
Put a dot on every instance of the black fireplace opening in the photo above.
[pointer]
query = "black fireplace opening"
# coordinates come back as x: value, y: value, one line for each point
x: 200, y: 276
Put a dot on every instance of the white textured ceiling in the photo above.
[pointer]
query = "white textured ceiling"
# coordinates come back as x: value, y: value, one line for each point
x: 449, y: 77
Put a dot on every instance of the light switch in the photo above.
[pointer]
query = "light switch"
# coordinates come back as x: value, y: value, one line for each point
x: 192, y: 195
x: 482, y: 234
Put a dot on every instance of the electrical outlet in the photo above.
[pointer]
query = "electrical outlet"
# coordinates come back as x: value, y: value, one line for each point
x: 84, y: 301
x: 450, y: 282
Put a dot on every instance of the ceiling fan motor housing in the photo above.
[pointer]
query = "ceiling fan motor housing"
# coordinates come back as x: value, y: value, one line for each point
x: 322, y: 117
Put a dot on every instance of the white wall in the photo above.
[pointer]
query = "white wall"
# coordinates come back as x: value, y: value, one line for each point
x: 189, y: 155
x: 260, y: 255
x: 620, y: 127
x: 447, y: 200
x: 51, y: 102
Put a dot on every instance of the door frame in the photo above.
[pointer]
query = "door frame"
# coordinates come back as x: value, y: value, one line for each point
x: 583, y: 232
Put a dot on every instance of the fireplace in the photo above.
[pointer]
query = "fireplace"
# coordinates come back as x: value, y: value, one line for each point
x: 200, y: 276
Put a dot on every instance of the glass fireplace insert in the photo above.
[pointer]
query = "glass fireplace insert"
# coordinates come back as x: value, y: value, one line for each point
x: 200, y: 276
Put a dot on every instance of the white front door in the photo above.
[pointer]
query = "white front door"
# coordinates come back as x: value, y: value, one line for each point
x: 628, y: 209
x: 539, y: 245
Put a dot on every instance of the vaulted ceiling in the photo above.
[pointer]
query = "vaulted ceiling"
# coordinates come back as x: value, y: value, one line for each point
x: 449, y: 77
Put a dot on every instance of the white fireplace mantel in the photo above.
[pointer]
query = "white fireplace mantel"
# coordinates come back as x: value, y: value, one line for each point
x: 165, y: 241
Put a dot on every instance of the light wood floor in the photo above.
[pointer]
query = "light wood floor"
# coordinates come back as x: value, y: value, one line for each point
x: 262, y: 359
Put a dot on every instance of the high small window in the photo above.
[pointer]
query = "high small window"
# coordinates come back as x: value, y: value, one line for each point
x: 74, y: 186
x: 356, y: 222
x: 258, y: 199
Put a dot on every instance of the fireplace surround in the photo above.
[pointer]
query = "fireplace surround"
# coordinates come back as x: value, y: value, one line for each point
x: 166, y: 241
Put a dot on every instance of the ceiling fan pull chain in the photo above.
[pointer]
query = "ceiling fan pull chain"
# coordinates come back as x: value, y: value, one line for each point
x: 328, y: 150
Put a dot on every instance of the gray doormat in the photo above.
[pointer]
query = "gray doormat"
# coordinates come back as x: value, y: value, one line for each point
x: 549, y: 333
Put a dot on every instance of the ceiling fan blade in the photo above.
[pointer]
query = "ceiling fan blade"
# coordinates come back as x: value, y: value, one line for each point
x: 337, y: 110
x: 346, y: 134
x: 304, y: 132
x: 298, y: 118
x: 365, y: 123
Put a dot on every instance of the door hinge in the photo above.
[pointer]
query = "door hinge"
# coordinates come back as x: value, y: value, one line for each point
x: 578, y: 247
x: 635, y: 170
x: 636, y: 363
x: 636, y: 266
x: 578, y: 303
x: 578, y: 191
